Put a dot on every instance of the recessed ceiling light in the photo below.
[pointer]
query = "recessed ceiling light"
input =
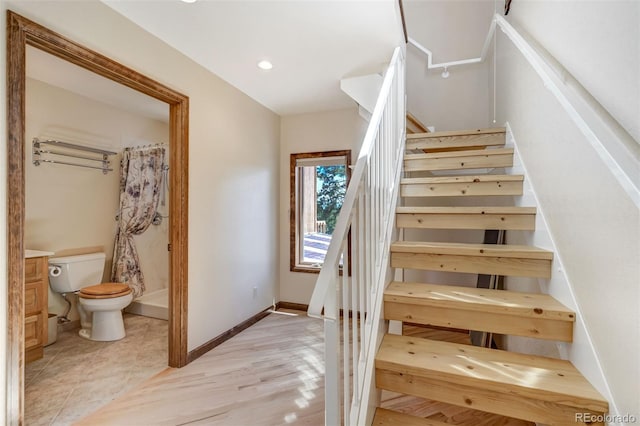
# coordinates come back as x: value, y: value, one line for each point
x: 189, y: 1
x: 265, y: 65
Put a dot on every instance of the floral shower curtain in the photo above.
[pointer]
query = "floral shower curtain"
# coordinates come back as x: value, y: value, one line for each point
x: 140, y: 179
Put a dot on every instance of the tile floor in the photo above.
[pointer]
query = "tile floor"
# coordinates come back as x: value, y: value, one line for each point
x: 77, y: 376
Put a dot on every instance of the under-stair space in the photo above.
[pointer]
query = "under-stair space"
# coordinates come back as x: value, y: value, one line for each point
x: 440, y: 169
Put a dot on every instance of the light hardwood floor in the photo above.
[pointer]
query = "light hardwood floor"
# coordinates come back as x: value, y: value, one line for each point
x: 270, y: 374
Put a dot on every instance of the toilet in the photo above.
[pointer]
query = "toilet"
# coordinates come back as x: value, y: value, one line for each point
x: 100, y: 304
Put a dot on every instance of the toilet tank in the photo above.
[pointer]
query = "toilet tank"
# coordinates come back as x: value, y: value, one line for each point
x: 75, y: 272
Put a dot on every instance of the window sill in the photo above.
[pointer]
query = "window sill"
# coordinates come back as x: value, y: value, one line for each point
x: 312, y: 270
x: 305, y: 269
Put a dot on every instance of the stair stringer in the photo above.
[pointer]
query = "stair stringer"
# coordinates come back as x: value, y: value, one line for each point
x: 581, y: 352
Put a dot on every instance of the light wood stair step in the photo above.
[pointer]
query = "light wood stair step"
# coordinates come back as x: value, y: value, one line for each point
x: 455, y: 140
x: 538, y: 389
x: 497, y: 311
x: 459, y: 160
x: 384, y: 417
x: 461, y: 186
x: 490, y: 259
x: 508, y: 218
x: 414, y: 125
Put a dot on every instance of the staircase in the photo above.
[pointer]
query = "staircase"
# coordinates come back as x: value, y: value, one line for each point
x: 528, y: 387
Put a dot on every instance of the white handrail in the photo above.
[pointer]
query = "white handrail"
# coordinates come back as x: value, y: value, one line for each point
x: 353, y: 274
x: 603, y: 132
x: 341, y: 229
x: 481, y: 58
x: 623, y: 163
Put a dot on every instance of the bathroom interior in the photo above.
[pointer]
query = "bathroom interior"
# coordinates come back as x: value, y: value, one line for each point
x: 72, y: 208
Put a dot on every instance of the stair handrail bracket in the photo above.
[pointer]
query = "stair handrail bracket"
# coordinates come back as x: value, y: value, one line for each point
x: 353, y: 273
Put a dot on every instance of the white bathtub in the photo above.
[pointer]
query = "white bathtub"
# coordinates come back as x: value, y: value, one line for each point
x: 154, y: 304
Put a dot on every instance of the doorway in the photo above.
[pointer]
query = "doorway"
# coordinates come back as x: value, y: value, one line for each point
x: 20, y: 33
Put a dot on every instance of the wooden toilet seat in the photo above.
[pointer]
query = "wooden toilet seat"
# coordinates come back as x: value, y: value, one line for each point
x: 105, y: 291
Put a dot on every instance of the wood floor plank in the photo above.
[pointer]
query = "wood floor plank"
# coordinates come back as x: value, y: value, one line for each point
x: 270, y: 374
x: 386, y: 417
x: 448, y: 413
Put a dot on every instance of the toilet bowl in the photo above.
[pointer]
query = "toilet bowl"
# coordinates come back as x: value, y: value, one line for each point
x: 102, y: 307
x: 99, y: 305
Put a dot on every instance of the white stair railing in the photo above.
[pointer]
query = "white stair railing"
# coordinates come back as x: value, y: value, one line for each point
x: 356, y: 266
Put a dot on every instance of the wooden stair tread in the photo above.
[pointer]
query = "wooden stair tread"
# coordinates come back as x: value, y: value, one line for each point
x: 465, y: 249
x: 459, y: 160
x: 462, y: 186
x: 508, y: 218
x: 490, y: 259
x: 384, y: 417
x: 519, y: 375
x: 466, y: 210
x: 455, y: 140
x: 477, y: 299
x: 537, y: 316
x: 463, y: 179
x: 448, y: 133
x: 457, y: 154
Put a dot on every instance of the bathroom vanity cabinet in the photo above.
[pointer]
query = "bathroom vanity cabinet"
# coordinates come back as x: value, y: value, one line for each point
x: 36, y: 291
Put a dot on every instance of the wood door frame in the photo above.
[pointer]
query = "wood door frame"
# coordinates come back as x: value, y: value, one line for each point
x: 20, y: 33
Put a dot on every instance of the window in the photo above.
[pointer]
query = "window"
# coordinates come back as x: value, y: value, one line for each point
x: 318, y: 186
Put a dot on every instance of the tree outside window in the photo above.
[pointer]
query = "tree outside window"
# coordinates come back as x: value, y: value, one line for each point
x: 318, y: 186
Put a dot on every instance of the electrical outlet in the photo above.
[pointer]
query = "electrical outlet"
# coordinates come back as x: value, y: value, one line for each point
x: 255, y: 292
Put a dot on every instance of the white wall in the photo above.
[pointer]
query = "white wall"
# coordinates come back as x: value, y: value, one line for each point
x: 324, y: 131
x: 597, y: 42
x: 153, y: 253
x: 69, y: 207
x: 233, y: 166
x: 452, y: 30
x: 590, y: 218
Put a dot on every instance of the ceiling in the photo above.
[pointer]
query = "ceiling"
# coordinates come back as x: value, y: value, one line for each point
x: 57, y: 72
x: 311, y: 43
